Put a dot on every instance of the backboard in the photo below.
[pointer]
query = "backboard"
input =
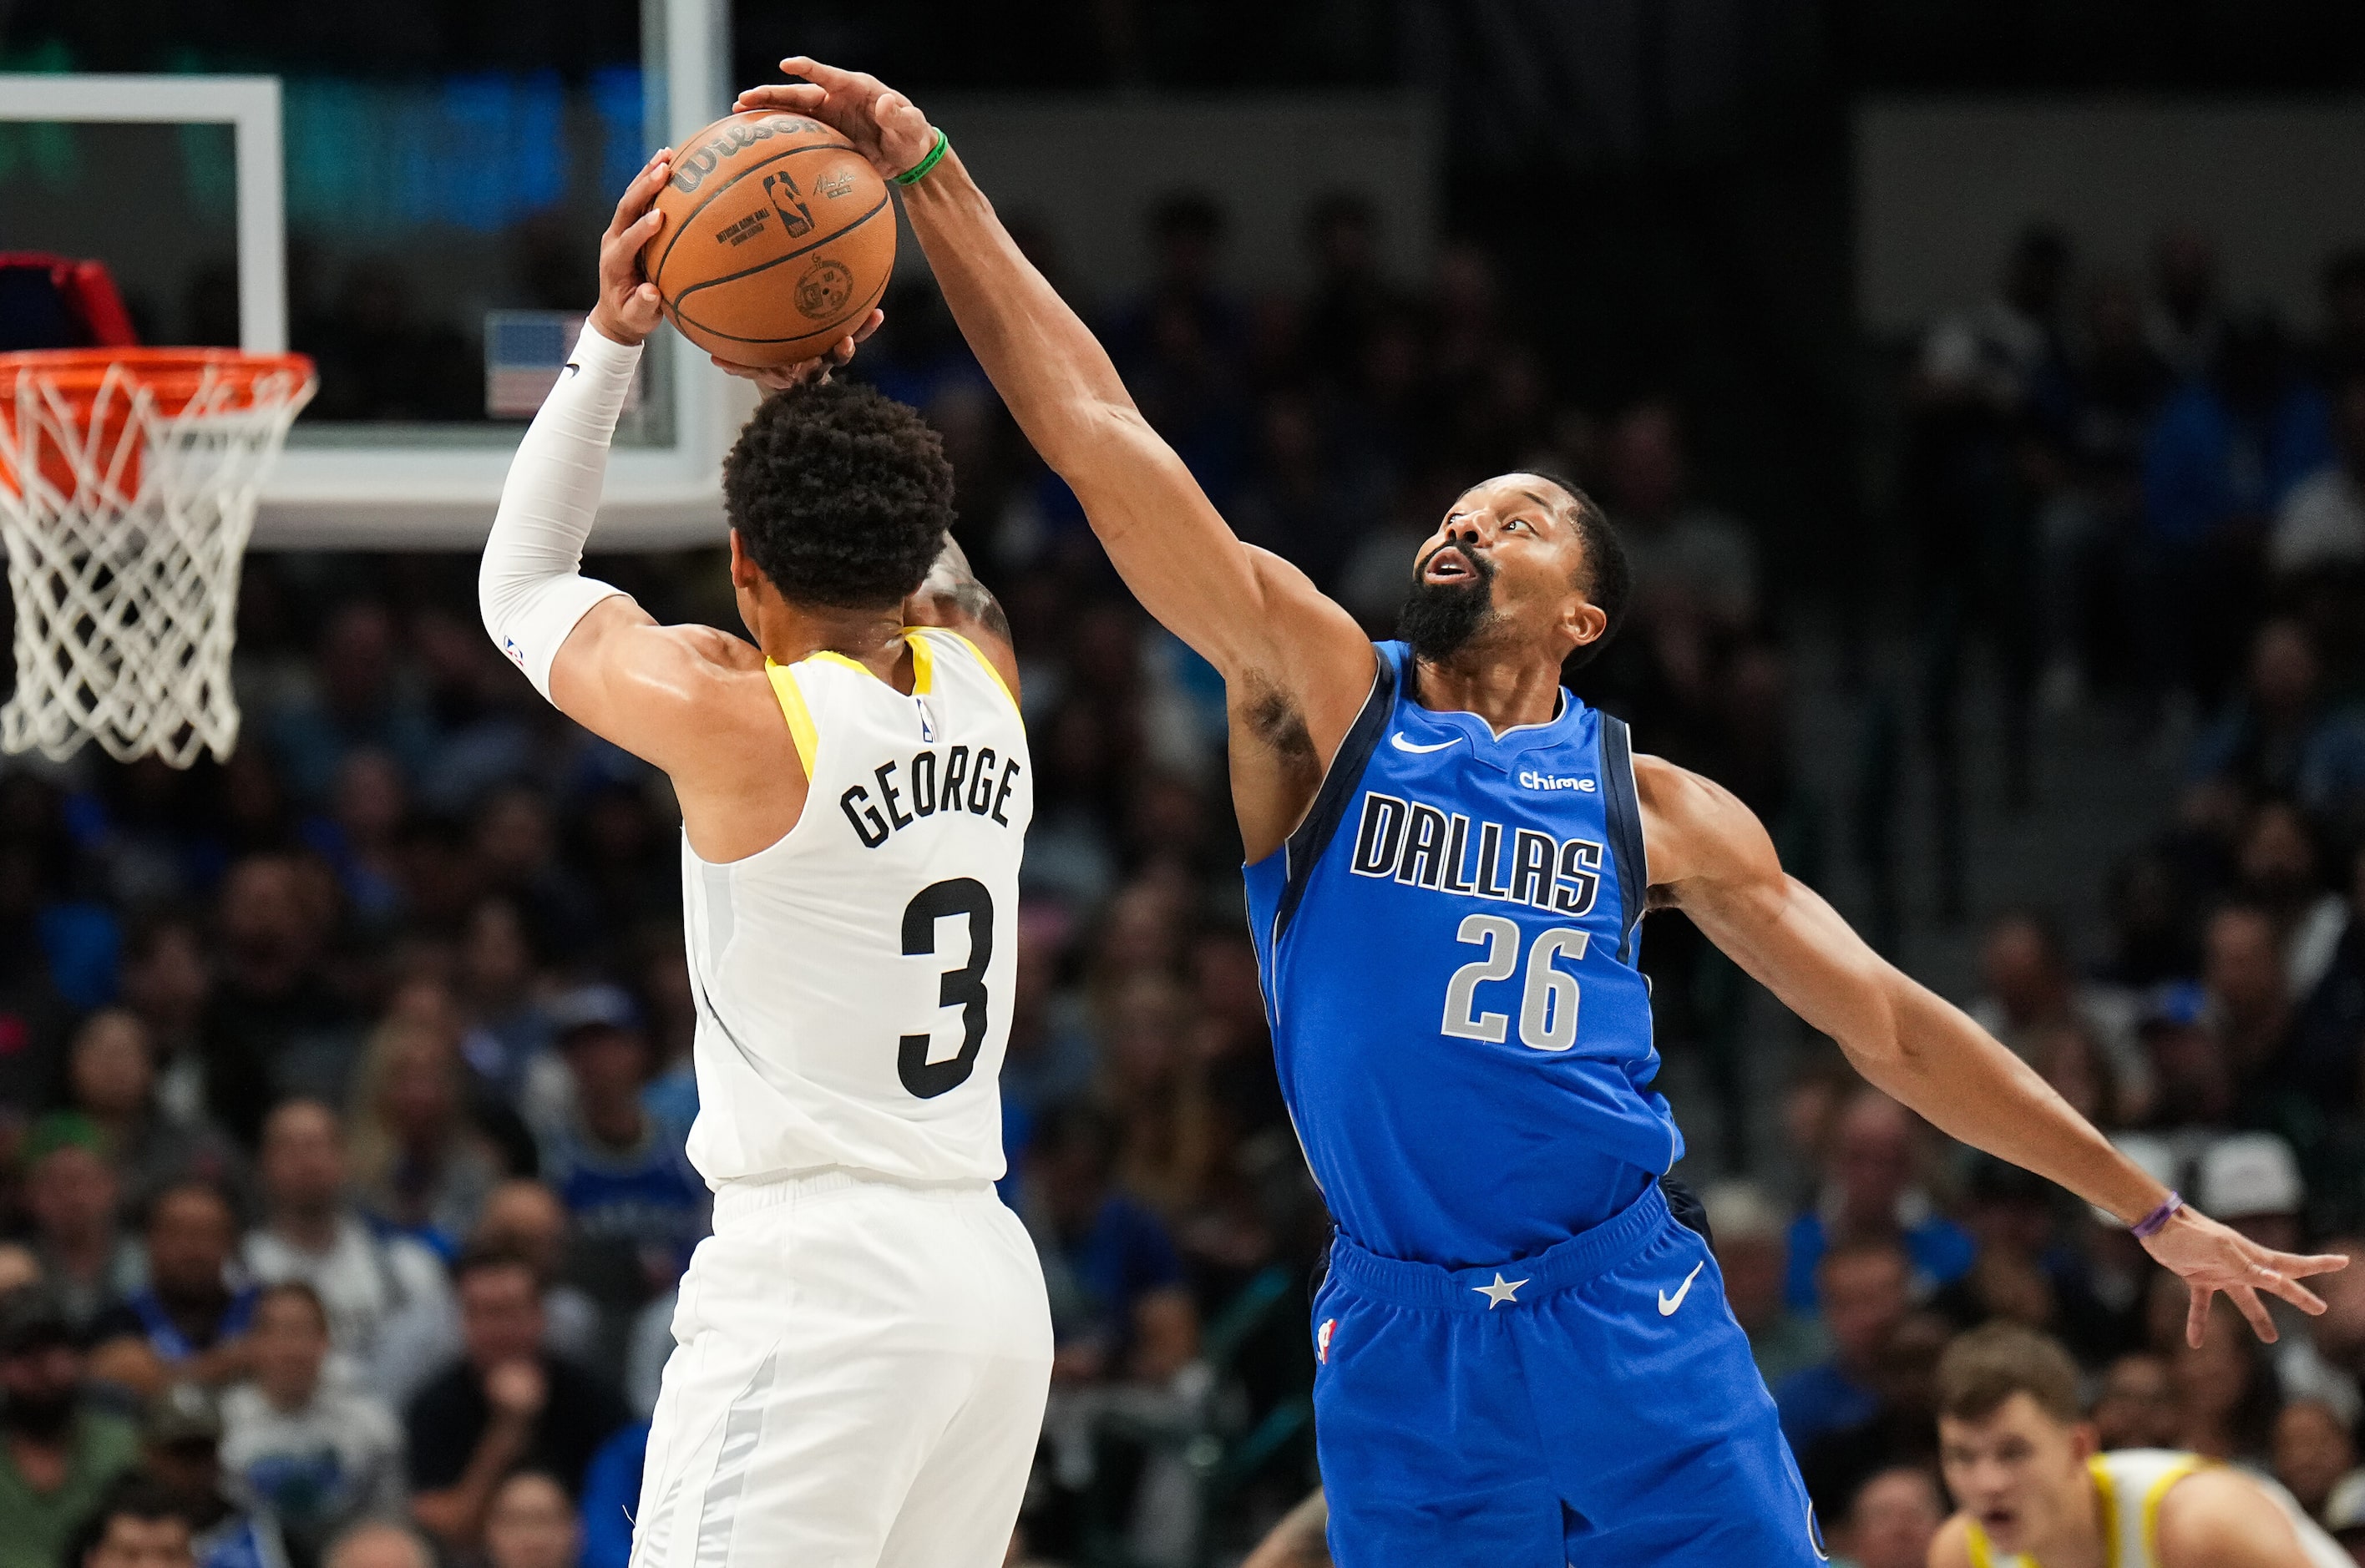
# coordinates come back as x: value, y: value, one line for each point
x: 414, y: 203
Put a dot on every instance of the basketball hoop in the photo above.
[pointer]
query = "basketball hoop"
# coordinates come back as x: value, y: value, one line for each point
x: 128, y: 486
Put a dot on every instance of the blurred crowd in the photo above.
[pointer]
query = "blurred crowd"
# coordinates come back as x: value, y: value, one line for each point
x: 343, y: 1085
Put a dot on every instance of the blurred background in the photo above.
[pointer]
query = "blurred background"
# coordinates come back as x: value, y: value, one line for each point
x: 1980, y: 390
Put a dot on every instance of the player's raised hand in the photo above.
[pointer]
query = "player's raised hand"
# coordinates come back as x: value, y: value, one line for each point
x: 628, y: 311
x: 780, y: 377
x: 887, y: 127
x: 2209, y: 1257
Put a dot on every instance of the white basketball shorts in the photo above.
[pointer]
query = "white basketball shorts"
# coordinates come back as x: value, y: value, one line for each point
x: 858, y: 1378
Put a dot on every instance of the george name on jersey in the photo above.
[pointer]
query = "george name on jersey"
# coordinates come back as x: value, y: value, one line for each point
x: 1423, y: 845
x: 978, y: 785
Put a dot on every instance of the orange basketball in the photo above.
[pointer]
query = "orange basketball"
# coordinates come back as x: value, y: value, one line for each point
x: 777, y: 240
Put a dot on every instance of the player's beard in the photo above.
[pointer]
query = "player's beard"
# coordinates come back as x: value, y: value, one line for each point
x: 1439, y: 618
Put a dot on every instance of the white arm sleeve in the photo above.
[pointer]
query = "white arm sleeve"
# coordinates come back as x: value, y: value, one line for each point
x: 530, y: 588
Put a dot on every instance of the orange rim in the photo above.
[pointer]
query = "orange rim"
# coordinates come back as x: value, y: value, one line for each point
x: 172, y: 375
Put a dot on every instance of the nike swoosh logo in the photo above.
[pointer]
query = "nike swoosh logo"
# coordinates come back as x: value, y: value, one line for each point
x: 1398, y: 740
x: 1667, y: 1304
x: 572, y: 368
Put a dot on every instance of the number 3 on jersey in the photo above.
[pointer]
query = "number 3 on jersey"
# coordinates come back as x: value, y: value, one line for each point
x: 1547, y: 1001
x: 963, y: 988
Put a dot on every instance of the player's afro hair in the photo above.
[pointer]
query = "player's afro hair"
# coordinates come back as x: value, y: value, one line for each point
x: 841, y: 496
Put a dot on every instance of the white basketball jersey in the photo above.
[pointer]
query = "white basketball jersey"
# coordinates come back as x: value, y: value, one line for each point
x: 2129, y: 1483
x: 853, y: 980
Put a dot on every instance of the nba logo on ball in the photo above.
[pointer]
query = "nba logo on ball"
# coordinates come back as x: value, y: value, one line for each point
x: 1322, y: 1341
x: 823, y: 291
x: 788, y: 205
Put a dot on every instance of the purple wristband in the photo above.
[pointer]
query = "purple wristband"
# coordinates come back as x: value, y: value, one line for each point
x: 2154, y: 1222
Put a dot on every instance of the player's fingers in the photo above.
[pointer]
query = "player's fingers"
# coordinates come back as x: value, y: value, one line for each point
x: 2298, y: 1294
x: 2196, y: 1316
x: 631, y: 206
x: 875, y: 320
x: 2255, y: 1310
x: 2297, y: 1266
x: 782, y: 95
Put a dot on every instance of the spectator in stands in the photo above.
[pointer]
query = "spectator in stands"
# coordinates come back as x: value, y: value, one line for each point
x: 378, y: 1544
x: 504, y: 1404
x: 361, y: 702
x: 2192, y: 1076
x: 1119, y: 1305
x: 420, y: 1163
x: 1902, y: 1427
x: 1892, y: 1518
x: 612, y: 1491
x: 2225, y: 1392
x: 360, y: 838
x: 2276, y: 735
x: 2278, y: 872
x: 517, y: 857
x: 1688, y: 559
x: 532, y: 1524
x: 621, y: 1172
x: 165, y: 982
x: 2032, y: 990
x: 1864, y: 1285
x: 1154, y: 1084
x: 2321, y: 523
x: 135, y: 1522
x: 382, y: 1293
x: 2137, y: 1406
x: 2251, y: 1182
x: 500, y: 986
x: 2186, y: 322
x: 525, y: 1219
x: 180, y: 1446
x: 2313, y: 1451
x: 112, y: 1079
x: 188, y: 1323
x: 58, y: 1452
x: 1050, y: 1061
x: 72, y: 1195
x: 317, y: 1455
x: 2225, y: 450
x: 1870, y: 1192
x: 1750, y: 1250
x: 271, y: 1005
x: 2248, y: 1009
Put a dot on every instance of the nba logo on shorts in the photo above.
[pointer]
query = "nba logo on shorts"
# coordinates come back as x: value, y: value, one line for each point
x: 1322, y: 1341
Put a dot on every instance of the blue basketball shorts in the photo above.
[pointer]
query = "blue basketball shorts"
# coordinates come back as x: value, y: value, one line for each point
x: 1594, y: 1406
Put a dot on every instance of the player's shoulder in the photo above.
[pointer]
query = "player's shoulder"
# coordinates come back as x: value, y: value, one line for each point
x: 1951, y: 1547
x: 1694, y: 826
x: 2219, y: 1515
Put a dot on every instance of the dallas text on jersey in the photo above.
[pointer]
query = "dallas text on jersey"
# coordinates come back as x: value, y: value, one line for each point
x: 967, y: 785
x: 1424, y: 845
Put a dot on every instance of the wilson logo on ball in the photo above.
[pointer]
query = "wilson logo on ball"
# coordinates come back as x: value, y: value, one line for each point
x: 692, y: 167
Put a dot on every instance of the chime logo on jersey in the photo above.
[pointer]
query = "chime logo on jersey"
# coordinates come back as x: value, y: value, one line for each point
x: 1423, y: 845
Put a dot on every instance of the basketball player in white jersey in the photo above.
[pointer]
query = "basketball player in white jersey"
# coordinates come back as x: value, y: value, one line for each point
x: 863, y: 1346
x: 2036, y: 1493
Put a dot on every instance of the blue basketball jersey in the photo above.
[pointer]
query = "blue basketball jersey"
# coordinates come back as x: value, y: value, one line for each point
x: 1449, y: 947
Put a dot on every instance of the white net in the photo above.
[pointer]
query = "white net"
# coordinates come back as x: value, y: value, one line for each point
x: 128, y: 491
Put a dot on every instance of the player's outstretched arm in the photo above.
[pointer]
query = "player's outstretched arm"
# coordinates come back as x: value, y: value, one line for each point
x: 587, y: 646
x: 1296, y: 666
x: 1711, y: 857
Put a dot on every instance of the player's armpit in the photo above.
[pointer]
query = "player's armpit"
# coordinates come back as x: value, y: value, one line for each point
x: 1710, y: 852
x: 646, y: 687
x: 2219, y: 1519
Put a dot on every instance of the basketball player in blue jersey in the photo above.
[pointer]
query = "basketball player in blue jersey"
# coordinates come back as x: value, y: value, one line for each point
x: 1524, y: 1360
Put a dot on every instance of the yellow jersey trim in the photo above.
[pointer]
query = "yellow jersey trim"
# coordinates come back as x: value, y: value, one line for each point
x: 793, y: 707
x: 1975, y: 1540
x: 986, y: 665
x: 2155, y: 1496
x: 2107, y: 1497
x: 922, y: 662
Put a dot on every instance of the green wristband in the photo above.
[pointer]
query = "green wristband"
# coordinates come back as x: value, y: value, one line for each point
x: 917, y: 171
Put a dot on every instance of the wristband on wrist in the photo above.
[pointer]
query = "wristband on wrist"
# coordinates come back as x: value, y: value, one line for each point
x: 917, y: 171
x: 2153, y: 1223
